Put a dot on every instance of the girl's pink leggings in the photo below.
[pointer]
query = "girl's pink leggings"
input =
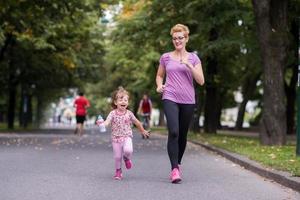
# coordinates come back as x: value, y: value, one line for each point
x: 122, y: 149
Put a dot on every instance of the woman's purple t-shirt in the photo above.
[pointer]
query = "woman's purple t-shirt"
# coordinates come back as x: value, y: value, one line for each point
x: 179, y: 86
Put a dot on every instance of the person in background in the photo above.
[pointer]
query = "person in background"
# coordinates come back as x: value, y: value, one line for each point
x: 145, y: 110
x: 120, y: 119
x: 81, y: 104
x: 179, y: 67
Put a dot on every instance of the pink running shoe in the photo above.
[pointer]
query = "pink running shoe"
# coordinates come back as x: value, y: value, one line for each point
x: 175, y: 176
x: 118, y: 175
x: 128, y: 163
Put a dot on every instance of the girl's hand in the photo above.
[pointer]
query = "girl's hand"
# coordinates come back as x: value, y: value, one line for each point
x: 99, y: 122
x: 146, y: 133
x: 160, y: 89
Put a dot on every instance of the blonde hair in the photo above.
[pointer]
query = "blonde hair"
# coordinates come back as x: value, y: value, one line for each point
x: 180, y: 28
x: 120, y: 92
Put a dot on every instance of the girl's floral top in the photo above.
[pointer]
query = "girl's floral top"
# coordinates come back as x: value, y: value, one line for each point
x: 121, y: 125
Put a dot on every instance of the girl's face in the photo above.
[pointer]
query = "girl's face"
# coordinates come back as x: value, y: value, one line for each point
x: 122, y: 102
x: 179, y: 40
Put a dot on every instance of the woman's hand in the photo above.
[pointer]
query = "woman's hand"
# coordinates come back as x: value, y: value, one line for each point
x: 160, y: 88
x: 196, y: 71
x: 187, y: 63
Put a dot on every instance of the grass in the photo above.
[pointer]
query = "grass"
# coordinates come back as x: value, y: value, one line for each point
x: 17, y: 128
x: 277, y: 157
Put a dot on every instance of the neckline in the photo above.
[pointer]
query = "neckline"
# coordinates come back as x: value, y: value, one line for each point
x: 118, y: 113
x: 170, y: 55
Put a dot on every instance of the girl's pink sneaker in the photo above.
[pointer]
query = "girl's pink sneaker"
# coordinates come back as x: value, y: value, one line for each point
x: 175, y: 176
x: 128, y: 163
x: 118, y: 175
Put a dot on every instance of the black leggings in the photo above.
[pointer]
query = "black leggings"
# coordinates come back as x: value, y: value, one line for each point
x: 178, y: 121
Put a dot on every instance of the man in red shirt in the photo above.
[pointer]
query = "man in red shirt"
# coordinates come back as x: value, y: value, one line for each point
x: 81, y: 104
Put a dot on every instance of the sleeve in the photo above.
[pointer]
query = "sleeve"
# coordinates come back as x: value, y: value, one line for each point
x: 162, y: 60
x: 110, y: 117
x: 196, y: 59
x: 88, y: 103
x: 132, y: 117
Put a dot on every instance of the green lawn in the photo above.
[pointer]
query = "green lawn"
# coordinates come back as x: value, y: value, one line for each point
x: 277, y: 157
x: 17, y: 128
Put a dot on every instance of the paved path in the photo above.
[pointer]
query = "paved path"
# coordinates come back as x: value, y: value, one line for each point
x: 64, y: 167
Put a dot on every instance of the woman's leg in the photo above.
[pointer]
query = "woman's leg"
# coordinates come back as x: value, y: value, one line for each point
x: 172, y: 111
x: 185, y: 115
x: 117, y: 149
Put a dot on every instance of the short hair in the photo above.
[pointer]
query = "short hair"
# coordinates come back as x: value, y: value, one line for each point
x: 120, y: 92
x: 80, y: 93
x: 180, y: 28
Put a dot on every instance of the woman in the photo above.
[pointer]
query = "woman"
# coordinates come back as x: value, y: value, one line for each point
x: 180, y: 68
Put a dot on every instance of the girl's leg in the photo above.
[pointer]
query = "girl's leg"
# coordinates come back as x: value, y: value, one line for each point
x: 117, y: 149
x: 127, y: 148
x: 185, y: 115
x: 171, y: 110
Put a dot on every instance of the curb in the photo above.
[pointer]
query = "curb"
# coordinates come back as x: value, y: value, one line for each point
x: 280, y: 177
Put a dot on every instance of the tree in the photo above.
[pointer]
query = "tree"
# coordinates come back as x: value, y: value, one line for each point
x: 138, y: 25
x: 291, y: 72
x: 219, y: 39
x: 272, y: 26
x: 48, y: 46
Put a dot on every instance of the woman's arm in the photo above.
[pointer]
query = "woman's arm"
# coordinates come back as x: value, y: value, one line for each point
x: 160, y: 78
x: 196, y: 71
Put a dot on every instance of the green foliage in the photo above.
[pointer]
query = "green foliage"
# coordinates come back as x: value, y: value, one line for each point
x: 140, y: 37
x: 50, y: 46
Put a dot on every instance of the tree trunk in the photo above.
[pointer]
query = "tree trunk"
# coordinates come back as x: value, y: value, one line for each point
x: 30, y: 112
x: 241, y: 114
x: 25, y: 109
x: 5, y: 46
x: 195, y: 127
x: 39, y: 107
x: 247, y: 91
x: 211, y: 110
x: 290, y: 88
x: 290, y: 102
x: 271, y: 21
x: 12, y: 90
x: 211, y: 100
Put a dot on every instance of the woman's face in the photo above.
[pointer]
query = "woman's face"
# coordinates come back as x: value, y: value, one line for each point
x: 179, y: 40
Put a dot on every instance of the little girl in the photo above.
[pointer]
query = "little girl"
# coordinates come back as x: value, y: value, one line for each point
x: 121, y: 120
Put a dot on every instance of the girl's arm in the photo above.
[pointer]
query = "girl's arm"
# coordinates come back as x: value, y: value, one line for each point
x: 105, y: 122
x: 141, y: 128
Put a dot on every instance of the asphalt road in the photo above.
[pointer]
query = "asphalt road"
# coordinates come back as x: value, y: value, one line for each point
x: 61, y: 166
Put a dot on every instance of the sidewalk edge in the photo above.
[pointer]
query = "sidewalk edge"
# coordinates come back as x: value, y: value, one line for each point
x: 282, y: 178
